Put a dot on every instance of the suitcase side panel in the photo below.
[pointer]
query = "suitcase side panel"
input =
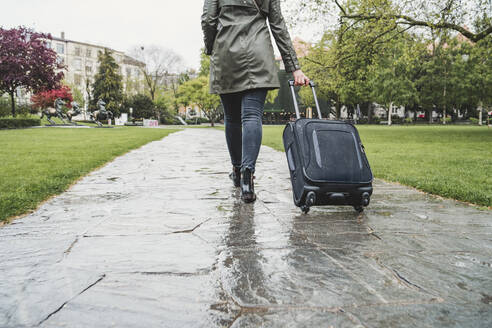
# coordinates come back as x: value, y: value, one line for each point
x: 294, y: 162
x: 367, y: 171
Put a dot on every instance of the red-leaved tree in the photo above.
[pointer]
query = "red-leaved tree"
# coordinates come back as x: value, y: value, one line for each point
x: 27, y: 62
x: 45, y: 99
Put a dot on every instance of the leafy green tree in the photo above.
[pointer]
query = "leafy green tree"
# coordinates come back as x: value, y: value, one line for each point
x: 426, y: 15
x: 108, y: 84
x: 143, y: 106
x: 341, y: 61
x: 402, y: 53
x: 480, y: 74
x: 166, y: 103
x: 391, y: 75
x: 77, y: 94
x: 196, y: 92
x: 272, y: 95
x: 204, y: 64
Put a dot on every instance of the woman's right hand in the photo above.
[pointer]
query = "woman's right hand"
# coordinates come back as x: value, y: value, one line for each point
x: 300, y: 78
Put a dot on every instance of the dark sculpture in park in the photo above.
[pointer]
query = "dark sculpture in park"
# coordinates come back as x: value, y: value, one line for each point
x: 74, y: 111
x: 101, y: 113
x: 54, y: 112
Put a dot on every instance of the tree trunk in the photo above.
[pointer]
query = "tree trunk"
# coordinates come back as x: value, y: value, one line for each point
x: 489, y: 118
x: 430, y: 116
x: 12, y: 99
x: 389, y: 113
x: 369, y: 114
x: 212, y: 123
x: 338, y: 109
x: 157, y: 114
x: 444, y: 109
x: 480, y: 114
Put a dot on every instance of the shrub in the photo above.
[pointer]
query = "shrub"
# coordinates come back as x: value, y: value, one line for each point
x: 448, y: 119
x: 168, y: 118
x: 4, y: 107
x: 16, y: 123
x: 376, y: 120
x: 192, y: 122
x: 474, y: 120
x: 142, y: 105
x: 46, y: 99
x: 395, y: 119
x: 23, y: 109
x: 408, y: 120
x: 87, y: 121
x: 203, y: 120
x: 6, y: 110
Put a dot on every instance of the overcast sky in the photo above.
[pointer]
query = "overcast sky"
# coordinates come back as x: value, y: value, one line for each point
x: 118, y: 24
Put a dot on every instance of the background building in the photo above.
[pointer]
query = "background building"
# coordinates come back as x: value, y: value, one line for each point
x: 81, y: 66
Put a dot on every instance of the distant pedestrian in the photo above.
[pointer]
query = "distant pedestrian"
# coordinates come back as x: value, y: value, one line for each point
x: 242, y: 70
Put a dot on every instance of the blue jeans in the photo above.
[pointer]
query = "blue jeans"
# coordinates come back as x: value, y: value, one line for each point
x: 243, y: 112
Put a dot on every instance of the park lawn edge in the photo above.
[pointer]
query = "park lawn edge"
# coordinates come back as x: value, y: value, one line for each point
x: 395, y: 180
x: 478, y: 206
x: 464, y: 202
x: 9, y: 220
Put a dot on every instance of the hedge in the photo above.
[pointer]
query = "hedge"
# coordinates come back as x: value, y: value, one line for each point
x: 16, y: 123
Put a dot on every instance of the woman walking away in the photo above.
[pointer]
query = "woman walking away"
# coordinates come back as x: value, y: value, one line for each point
x: 242, y: 70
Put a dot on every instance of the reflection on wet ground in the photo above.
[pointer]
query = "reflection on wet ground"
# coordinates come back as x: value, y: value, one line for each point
x: 159, y: 238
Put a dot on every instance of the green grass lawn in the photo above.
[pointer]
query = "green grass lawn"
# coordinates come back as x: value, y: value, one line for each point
x: 451, y: 161
x: 38, y: 163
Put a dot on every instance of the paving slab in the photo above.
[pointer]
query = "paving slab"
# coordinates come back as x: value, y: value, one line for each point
x: 159, y: 238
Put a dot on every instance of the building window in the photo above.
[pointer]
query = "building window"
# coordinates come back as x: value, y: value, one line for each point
x: 60, y: 60
x: 77, y: 79
x: 128, y: 72
x: 77, y: 51
x: 60, y: 48
x: 88, y: 67
x: 77, y: 63
x: 395, y: 110
x: 88, y: 52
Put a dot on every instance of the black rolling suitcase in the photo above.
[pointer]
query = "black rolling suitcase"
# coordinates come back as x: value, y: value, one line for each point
x: 327, y: 162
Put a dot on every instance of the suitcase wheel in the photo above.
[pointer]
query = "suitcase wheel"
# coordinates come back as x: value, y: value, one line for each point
x: 310, y: 198
x: 359, y: 208
x: 305, y: 209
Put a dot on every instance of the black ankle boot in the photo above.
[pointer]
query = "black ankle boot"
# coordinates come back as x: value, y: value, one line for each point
x: 235, y: 176
x: 247, y: 186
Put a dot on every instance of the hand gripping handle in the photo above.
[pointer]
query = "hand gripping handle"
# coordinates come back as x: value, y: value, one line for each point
x: 296, y: 106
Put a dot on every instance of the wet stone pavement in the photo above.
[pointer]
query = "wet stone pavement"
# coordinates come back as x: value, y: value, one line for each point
x: 159, y: 238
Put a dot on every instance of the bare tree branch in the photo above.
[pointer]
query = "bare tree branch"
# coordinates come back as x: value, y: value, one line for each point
x: 340, y: 7
x: 407, y: 20
x: 159, y: 64
x: 317, y: 62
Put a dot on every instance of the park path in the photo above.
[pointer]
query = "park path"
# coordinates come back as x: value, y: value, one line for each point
x: 159, y: 238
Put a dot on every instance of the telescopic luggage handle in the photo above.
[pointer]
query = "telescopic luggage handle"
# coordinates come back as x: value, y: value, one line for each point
x: 296, y: 106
